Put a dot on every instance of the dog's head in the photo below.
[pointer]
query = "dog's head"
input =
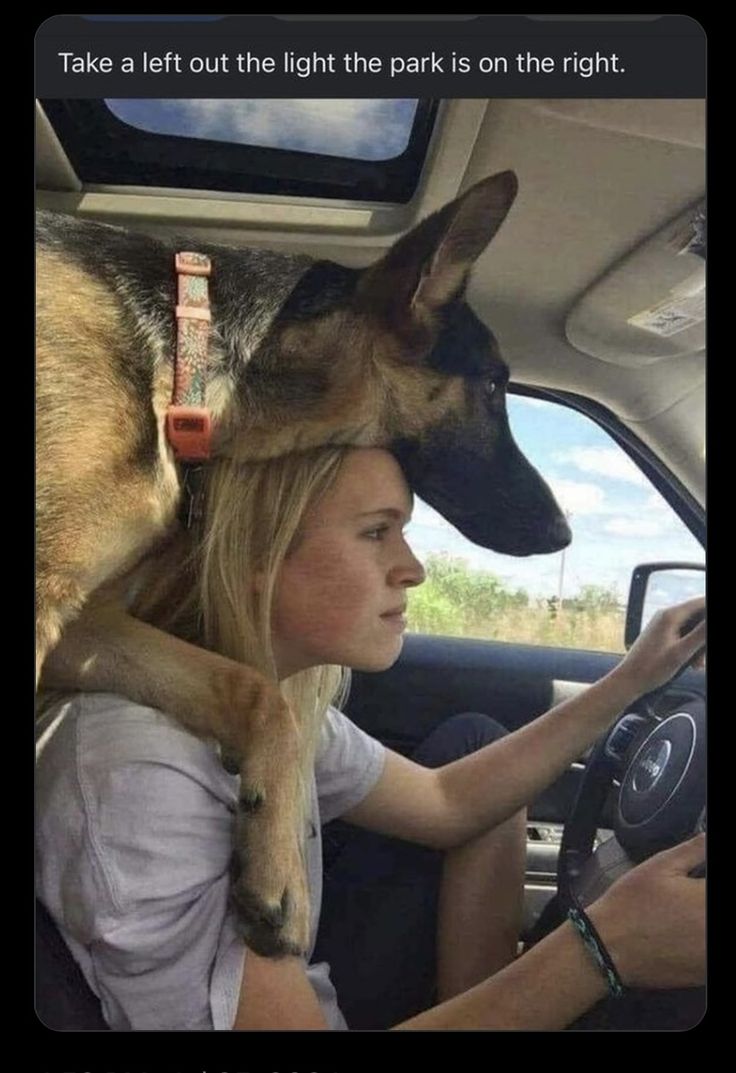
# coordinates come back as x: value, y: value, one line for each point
x: 393, y: 356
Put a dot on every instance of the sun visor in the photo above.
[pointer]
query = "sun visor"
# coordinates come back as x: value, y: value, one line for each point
x: 652, y: 304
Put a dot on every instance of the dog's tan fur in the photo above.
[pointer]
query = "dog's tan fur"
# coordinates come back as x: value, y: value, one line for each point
x: 85, y: 450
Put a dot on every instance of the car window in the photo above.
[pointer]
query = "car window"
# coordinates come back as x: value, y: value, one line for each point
x: 575, y: 598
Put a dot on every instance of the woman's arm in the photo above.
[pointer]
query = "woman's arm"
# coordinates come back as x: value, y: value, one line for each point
x: 275, y: 993
x: 548, y: 988
x: 445, y: 807
x: 652, y: 922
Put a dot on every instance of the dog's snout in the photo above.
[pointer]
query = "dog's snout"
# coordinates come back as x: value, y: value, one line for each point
x: 560, y: 534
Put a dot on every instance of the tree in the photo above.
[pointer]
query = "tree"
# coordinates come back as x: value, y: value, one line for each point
x: 478, y: 594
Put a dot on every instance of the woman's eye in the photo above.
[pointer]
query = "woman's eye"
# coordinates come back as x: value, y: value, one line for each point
x: 376, y: 533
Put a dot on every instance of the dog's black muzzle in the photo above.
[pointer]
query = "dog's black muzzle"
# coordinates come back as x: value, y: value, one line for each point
x: 486, y: 488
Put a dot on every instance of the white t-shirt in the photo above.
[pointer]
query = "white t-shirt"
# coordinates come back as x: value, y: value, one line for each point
x: 134, y: 828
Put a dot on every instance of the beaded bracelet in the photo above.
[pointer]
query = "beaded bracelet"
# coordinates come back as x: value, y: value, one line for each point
x: 594, y: 945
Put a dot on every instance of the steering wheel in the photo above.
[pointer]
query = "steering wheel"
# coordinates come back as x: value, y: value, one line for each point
x: 657, y: 752
x: 660, y: 762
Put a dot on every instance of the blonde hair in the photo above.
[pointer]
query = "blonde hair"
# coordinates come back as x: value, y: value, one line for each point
x: 215, y: 587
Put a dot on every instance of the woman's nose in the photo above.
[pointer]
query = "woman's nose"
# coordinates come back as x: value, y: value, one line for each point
x: 409, y: 572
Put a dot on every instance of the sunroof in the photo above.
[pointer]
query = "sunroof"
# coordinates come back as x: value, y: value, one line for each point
x: 367, y: 150
x: 358, y: 129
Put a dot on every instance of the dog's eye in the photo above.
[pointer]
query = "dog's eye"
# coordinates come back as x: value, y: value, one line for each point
x: 490, y: 387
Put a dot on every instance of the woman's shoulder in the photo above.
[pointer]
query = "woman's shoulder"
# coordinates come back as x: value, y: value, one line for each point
x: 100, y: 731
x: 348, y: 764
x: 339, y: 732
x: 131, y: 812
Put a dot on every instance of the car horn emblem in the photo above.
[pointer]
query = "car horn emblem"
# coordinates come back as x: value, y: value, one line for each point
x: 651, y: 766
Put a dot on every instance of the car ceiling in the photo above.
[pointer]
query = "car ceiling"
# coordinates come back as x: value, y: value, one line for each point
x: 607, y: 193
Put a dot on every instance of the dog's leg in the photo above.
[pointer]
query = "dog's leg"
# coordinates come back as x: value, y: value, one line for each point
x: 50, y: 620
x: 106, y: 649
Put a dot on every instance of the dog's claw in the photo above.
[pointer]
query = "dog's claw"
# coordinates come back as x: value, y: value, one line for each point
x: 230, y: 761
x: 251, y: 802
x: 263, y: 927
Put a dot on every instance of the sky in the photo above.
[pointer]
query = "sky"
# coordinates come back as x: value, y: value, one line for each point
x: 617, y: 518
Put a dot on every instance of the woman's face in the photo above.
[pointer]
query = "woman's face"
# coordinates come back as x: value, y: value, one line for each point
x: 341, y: 594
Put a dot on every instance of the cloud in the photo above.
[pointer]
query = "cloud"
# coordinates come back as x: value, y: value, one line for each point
x: 634, y: 527
x: 577, y: 497
x: 366, y: 129
x: 424, y: 516
x: 608, y: 462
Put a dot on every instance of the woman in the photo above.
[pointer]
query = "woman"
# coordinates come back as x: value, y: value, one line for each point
x: 304, y: 569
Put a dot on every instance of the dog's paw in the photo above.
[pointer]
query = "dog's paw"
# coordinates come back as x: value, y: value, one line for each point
x: 269, y: 889
x: 271, y: 930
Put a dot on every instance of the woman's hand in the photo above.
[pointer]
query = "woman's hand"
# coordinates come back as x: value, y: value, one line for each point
x: 661, y: 650
x: 652, y: 920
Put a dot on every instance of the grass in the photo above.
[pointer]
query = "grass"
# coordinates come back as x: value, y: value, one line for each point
x: 594, y: 630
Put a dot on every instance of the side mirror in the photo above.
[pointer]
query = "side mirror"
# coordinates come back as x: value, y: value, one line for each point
x: 658, y: 585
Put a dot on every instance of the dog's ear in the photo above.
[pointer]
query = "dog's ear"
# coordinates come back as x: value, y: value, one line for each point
x: 429, y: 266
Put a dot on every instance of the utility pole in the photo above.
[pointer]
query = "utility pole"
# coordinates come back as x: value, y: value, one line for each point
x: 561, y: 581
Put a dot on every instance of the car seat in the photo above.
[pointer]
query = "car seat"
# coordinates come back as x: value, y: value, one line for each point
x: 64, y: 1000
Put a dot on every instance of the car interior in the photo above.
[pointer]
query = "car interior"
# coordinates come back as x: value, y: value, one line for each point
x: 595, y: 290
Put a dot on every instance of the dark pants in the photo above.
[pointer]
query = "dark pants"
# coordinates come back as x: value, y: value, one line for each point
x: 378, y: 926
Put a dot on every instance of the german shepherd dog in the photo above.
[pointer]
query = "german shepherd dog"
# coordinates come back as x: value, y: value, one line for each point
x: 301, y: 353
